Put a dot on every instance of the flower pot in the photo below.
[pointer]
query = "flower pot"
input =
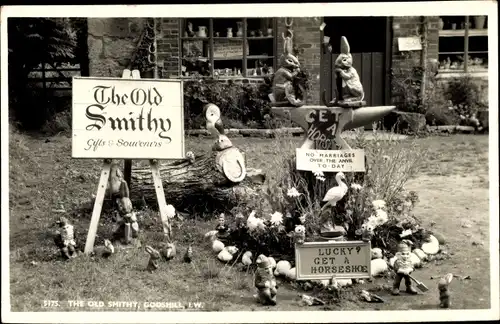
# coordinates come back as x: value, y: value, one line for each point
x: 440, y: 24
x: 479, y: 22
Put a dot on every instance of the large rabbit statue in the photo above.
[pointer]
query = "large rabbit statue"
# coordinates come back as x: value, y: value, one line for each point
x: 127, y: 218
x: 352, y: 89
x: 283, y: 87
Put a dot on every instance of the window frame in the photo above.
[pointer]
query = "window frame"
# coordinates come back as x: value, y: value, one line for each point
x: 244, y: 38
x: 465, y: 34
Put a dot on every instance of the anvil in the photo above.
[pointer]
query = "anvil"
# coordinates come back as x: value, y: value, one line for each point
x: 331, y: 121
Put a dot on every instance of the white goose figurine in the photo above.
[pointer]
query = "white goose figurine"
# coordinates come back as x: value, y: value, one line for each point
x: 214, y: 121
x: 335, y: 194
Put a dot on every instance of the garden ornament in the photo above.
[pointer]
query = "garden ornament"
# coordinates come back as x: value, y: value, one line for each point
x: 272, y: 262
x: 265, y: 282
x: 299, y: 234
x: 351, y: 92
x: 222, y: 228
x: 214, y: 122
x: 377, y: 253
x: 126, y: 214
x: 421, y: 254
x: 190, y: 157
x: 217, y: 246
x: 227, y: 253
x: 104, y: 251
x: 115, y: 179
x: 154, y: 256
x: 283, y: 87
x: 65, y: 238
x: 432, y: 246
x: 282, y: 268
x: 378, y: 267
x: 246, y: 259
x: 168, y: 251
x: 335, y: 194
x: 188, y: 256
x: 403, y: 268
x: 371, y: 297
x: 307, y: 300
x: 291, y: 274
x: 229, y: 159
x: 444, y: 294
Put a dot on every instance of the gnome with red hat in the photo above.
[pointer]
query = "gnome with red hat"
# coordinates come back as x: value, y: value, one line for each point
x: 403, y: 268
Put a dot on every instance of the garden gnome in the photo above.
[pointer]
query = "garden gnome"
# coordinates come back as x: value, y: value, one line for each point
x: 299, y: 234
x: 222, y: 228
x: 65, y: 238
x: 403, y: 268
x: 265, y: 281
x: 127, y: 216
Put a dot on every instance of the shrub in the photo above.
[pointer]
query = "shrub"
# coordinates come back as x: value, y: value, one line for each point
x: 297, y: 197
x: 464, y: 96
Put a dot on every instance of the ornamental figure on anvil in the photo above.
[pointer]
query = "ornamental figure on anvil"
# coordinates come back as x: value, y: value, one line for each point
x: 283, y: 85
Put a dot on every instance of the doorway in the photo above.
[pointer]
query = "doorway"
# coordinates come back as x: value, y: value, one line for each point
x: 370, y: 44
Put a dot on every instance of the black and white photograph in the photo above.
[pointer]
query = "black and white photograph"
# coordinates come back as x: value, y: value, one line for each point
x: 271, y: 162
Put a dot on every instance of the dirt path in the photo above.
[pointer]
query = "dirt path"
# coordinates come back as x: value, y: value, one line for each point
x: 445, y: 204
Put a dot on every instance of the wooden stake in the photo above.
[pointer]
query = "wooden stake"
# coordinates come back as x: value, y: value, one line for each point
x: 160, y: 196
x: 96, y: 213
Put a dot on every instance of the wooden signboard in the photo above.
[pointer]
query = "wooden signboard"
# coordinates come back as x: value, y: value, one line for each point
x: 324, y: 260
x: 127, y: 118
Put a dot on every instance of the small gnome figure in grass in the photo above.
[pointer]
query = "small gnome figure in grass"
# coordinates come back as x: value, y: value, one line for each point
x: 265, y: 281
x: 403, y: 268
x: 127, y: 218
x: 65, y: 238
x: 222, y: 228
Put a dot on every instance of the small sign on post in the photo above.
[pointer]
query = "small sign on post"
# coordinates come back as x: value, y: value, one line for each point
x: 324, y: 260
x: 331, y: 160
x: 409, y: 44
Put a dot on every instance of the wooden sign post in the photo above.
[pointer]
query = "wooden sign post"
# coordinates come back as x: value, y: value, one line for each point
x: 123, y: 119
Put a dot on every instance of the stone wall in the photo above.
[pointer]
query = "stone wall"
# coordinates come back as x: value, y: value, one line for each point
x: 112, y: 42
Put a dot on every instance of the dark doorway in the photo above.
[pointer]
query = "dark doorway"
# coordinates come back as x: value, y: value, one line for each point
x: 370, y: 45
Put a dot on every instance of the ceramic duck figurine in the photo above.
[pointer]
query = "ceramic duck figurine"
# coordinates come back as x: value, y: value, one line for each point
x: 335, y: 194
x: 246, y: 259
x: 214, y: 122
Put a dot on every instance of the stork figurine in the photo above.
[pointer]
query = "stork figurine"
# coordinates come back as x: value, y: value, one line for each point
x: 335, y: 194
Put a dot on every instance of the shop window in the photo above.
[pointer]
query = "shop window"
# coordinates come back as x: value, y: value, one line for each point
x: 463, y: 44
x: 228, y: 47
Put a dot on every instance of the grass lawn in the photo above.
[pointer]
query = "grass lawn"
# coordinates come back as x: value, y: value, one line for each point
x: 453, y: 188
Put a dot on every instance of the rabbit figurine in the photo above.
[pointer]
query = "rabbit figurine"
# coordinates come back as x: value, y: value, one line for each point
x: 154, y: 256
x: 444, y: 294
x: 352, y: 89
x: 283, y: 85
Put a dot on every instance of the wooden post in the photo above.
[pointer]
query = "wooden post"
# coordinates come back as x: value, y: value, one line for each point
x: 96, y: 213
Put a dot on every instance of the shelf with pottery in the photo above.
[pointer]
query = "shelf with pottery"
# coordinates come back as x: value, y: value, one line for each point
x: 239, y: 58
x: 461, y: 32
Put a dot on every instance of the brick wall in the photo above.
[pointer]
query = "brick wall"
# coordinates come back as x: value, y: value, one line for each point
x: 168, y: 47
x: 306, y: 36
x: 408, y: 26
